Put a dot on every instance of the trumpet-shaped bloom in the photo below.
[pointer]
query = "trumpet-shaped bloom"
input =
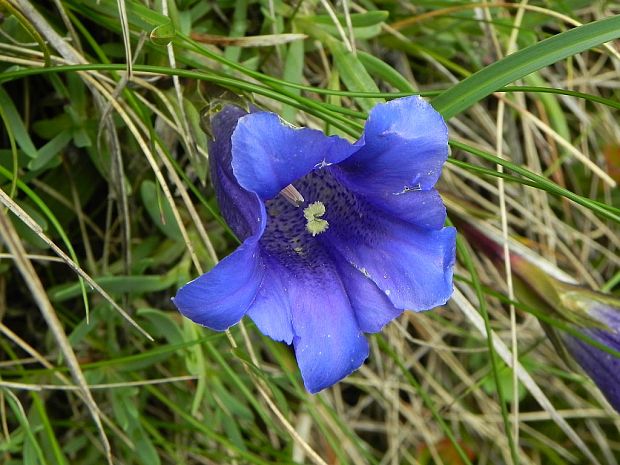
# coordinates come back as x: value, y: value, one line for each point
x: 588, y: 313
x: 337, y: 238
x: 601, y: 366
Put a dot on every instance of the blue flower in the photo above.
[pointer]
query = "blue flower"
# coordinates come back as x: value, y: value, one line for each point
x: 338, y: 238
x: 586, y: 313
x: 603, y: 313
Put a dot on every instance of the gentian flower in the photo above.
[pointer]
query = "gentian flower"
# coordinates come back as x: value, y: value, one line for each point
x: 600, y: 314
x: 337, y: 238
x: 588, y: 313
x: 583, y: 312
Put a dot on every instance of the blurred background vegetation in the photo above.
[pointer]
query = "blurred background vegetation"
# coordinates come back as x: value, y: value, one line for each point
x: 107, y: 210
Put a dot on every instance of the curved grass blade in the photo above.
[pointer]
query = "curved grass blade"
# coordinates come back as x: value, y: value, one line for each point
x: 353, y: 128
x: 426, y: 398
x: 486, y: 81
x: 464, y: 255
x: 251, y: 87
x: 543, y: 315
x: 599, y: 208
x: 309, y: 106
x: 52, y: 218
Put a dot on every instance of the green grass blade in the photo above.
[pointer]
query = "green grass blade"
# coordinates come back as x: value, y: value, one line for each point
x: 486, y: 81
x: 15, y: 126
x: 466, y: 258
x: 21, y: 417
x: 48, y: 429
x: 59, y: 229
x: 599, y: 208
x: 427, y: 399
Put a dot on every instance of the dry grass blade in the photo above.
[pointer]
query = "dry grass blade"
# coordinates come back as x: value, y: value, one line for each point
x: 176, y: 127
x: 267, y: 40
x: 48, y: 32
x: 28, y: 221
x: 343, y: 35
x: 33, y: 282
x: 69, y: 387
x: 264, y: 392
x: 565, y: 144
x: 519, y: 6
x: 133, y: 123
x: 122, y: 12
x: 524, y: 376
x: 36, y: 357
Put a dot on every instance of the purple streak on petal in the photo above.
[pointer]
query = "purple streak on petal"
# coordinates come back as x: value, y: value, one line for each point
x: 219, y: 299
x: 268, y: 155
x: 423, y: 209
x: 271, y: 311
x: 373, y: 310
x: 329, y: 344
x: 603, y: 368
x: 413, y: 266
x: 405, y: 144
x: 609, y: 315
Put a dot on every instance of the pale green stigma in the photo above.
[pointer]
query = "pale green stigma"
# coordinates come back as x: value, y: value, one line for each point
x: 314, y: 223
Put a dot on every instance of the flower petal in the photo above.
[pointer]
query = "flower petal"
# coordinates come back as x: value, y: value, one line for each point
x: 412, y: 266
x: 268, y: 155
x: 271, y: 310
x: 373, y: 310
x: 329, y: 344
x: 405, y: 144
x: 241, y: 209
x: 424, y: 209
x: 603, y: 368
x: 219, y: 299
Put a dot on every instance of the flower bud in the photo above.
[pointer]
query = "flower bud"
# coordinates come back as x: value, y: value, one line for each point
x: 604, y: 311
x: 590, y: 332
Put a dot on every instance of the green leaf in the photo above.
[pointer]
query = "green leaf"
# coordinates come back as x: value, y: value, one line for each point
x: 48, y: 153
x: 160, y: 324
x: 370, y: 18
x: 146, y: 452
x: 50, y: 443
x: 199, y: 162
x: 125, y: 409
x: 293, y: 72
x: 27, y: 234
x: 163, y: 34
x: 117, y: 285
x: 486, y: 81
x: 49, y: 127
x: 140, y: 17
x: 31, y: 446
x: 84, y: 328
x: 360, y: 33
x: 160, y: 212
x: 353, y: 73
x: 381, y: 69
x: 13, y: 119
x: 351, y: 69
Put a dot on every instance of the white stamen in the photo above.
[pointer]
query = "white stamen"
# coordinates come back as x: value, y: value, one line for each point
x: 292, y: 195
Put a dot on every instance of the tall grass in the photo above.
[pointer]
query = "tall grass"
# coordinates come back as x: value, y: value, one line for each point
x: 107, y: 210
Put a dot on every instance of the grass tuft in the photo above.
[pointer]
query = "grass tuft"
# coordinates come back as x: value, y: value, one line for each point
x: 107, y: 209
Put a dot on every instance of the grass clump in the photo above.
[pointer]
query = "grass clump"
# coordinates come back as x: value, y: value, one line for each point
x: 107, y: 210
